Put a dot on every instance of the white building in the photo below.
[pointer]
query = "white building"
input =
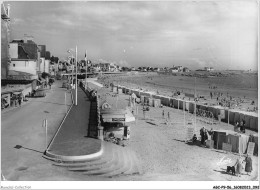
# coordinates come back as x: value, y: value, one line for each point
x: 24, y: 58
x: 47, y: 66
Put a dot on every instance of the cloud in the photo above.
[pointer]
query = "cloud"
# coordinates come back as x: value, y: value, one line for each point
x: 159, y: 31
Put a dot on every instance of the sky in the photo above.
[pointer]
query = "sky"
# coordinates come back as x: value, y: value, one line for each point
x: 195, y: 34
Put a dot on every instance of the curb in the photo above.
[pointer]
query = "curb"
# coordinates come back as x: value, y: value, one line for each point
x: 61, y: 123
x: 64, y: 158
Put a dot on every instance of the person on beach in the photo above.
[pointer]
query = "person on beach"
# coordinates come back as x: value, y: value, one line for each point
x: 248, y: 166
x: 211, y: 133
x: 242, y: 126
x: 236, y: 126
x: 203, y: 135
x: 163, y: 114
x: 238, y: 166
x: 194, y: 138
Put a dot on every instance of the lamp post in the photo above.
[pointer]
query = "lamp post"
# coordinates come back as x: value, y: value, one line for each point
x: 45, y: 124
x: 76, y: 83
x: 86, y: 60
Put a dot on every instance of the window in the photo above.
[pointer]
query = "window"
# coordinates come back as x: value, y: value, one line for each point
x: 13, y: 65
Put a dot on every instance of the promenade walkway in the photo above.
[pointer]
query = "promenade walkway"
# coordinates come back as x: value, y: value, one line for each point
x: 72, y: 138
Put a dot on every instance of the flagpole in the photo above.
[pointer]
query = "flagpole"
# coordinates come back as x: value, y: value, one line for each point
x: 86, y: 60
x: 195, y: 95
x: 76, y: 83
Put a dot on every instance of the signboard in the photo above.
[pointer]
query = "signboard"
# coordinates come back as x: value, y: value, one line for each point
x: 118, y: 119
x: 227, y: 147
x: 45, y: 123
x: 190, y: 132
x: 250, y: 148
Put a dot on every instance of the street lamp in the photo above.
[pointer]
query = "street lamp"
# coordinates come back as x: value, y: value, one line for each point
x: 45, y: 124
x: 86, y: 60
x: 76, y: 88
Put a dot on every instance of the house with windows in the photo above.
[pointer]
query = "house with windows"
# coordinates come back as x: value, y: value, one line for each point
x: 24, y: 59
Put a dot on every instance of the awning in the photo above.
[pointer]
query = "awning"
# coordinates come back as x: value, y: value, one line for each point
x: 41, y: 81
x: 113, y: 111
x: 5, y: 95
x: 17, y: 93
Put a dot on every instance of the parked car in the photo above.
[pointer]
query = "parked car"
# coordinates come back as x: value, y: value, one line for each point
x: 4, y: 103
x: 64, y: 85
x: 39, y: 93
x: 58, y: 77
x: 52, y: 80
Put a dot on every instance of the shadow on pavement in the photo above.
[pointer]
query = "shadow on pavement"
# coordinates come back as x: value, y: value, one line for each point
x: 52, y: 103
x: 20, y: 146
x: 178, y: 140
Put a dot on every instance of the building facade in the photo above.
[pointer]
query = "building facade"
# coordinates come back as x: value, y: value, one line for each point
x: 5, y: 39
x: 24, y: 59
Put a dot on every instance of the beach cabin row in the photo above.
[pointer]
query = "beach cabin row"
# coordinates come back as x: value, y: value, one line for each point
x: 234, y: 142
x: 231, y: 116
x: 150, y: 101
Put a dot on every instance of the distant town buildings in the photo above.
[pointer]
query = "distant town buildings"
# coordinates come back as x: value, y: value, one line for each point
x: 208, y: 68
x: 176, y: 69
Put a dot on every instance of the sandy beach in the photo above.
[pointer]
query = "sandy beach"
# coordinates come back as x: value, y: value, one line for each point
x: 160, y: 145
x: 241, y: 87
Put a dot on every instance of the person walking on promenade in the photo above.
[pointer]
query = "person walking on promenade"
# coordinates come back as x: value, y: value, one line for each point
x: 169, y: 116
x: 20, y: 100
x: 16, y: 100
x: 248, y: 166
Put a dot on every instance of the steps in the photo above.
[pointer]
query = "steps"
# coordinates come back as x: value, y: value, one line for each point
x: 114, y: 161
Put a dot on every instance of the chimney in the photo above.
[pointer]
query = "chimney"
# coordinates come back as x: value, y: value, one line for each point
x: 27, y: 38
